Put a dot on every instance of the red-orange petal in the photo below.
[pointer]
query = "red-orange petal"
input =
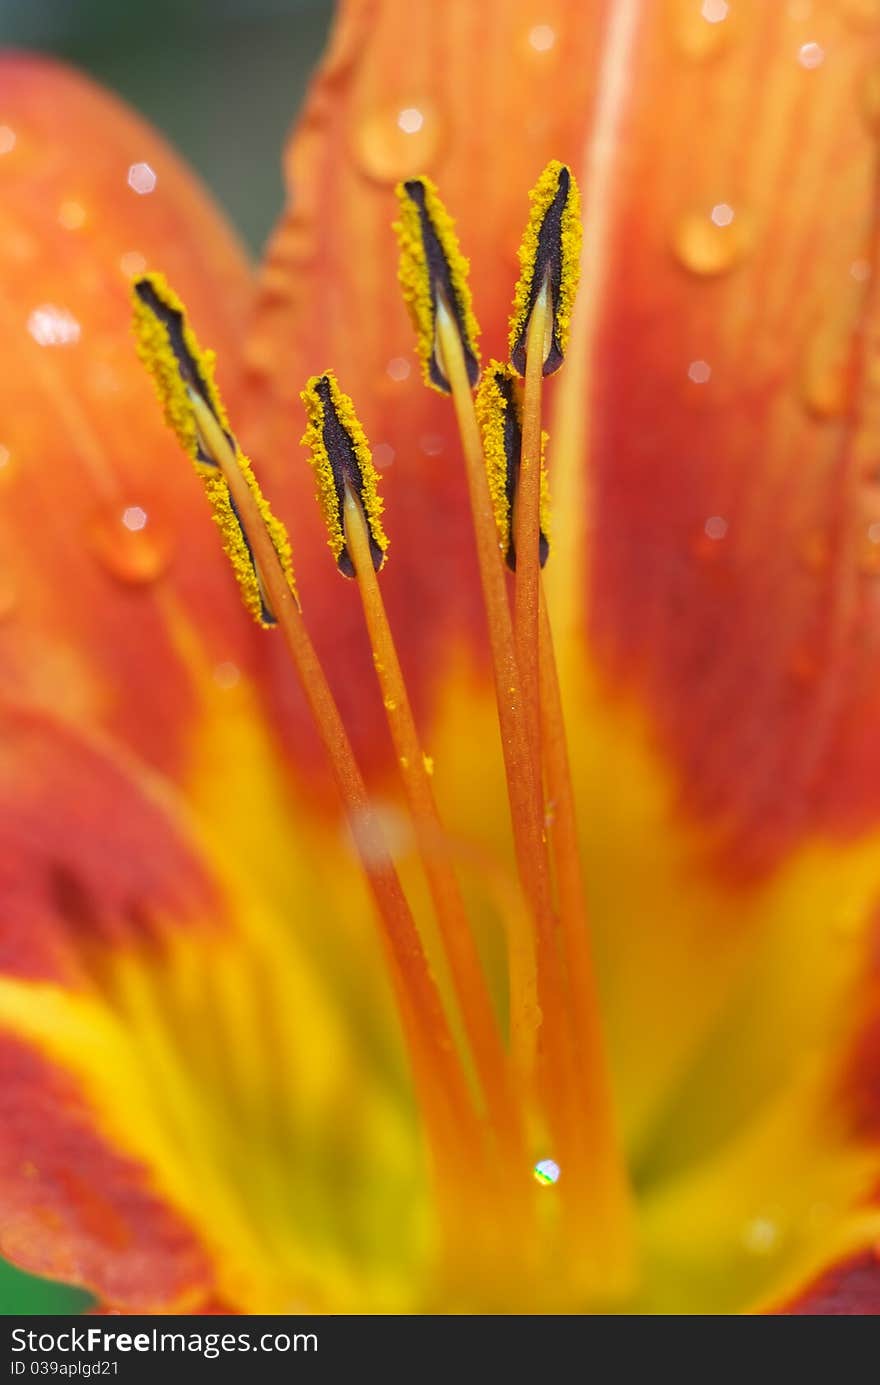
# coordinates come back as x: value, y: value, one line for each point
x: 105, y: 533
x: 848, y: 1290
x: 72, y: 1208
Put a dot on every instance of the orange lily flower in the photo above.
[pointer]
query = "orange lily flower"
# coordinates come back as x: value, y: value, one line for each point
x: 258, y: 1060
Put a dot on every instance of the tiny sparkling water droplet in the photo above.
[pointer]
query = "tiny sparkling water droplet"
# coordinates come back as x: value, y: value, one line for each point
x: 132, y: 263
x: 715, y: 527
x: 811, y: 56
x: 128, y: 542
x: 7, y: 139
x: 50, y: 325
x: 383, y: 455
x: 546, y: 1172
x: 760, y: 1236
x: 699, y: 372
x: 227, y: 674
x: 142, y: 178
x: 431, y: 444
x: 541, y: 38
x: 398, y: 141
x: 398, y: 368
x: 711, y: 243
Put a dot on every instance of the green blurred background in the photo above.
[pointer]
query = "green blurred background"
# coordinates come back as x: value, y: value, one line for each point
x: 222, y: 79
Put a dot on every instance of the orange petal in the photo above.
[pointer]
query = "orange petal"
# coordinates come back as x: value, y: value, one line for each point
x: 105, y: 534
x: 469, y: 94
x: 724, y: 396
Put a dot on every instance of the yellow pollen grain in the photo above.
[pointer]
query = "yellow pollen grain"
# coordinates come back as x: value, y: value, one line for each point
x: 183, y: 408
x: 313, y: 439
x: 415, y: 276
x: 540, y: 199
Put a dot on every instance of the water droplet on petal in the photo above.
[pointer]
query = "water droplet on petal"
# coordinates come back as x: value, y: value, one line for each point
x: 811, y: 56
x: 398, y: 368
x: 760, y: 1236
x: 431, y: 444
x: 6, y: 466
x: 398, y: 141
x: 141, y: 178
x: 227, y: 674
x: 546, y: 1172
x: 712, y: 243
x: 129, y: 543
x: 541, y: 38
x: 383, y: 455
x: 860, y: 270
x: 715, y: 527
x: 699, y: 372
x: 826, y: 377
x: 7, y: 139
x: 53, y: 326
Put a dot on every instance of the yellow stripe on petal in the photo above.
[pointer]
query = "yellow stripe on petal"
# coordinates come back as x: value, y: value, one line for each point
x: 184, y: 377
x: 432, y: 267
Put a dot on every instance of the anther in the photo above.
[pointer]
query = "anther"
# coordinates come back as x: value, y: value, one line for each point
x: 433, y: 274
x: 499, y: 409
x: 342, y: 461
x: 549, y: 259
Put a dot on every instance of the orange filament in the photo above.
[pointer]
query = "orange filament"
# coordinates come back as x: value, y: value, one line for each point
x: 527, y: 522
x: 464, y: 963
x: 611, y: 1212
x: 523, y: 785
x: 438, y: 1074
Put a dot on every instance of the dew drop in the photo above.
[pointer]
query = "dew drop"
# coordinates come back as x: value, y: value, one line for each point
x: 546, y: 1172
x: 398, y: 368
x: 715, y: 527
x: 129, y: 544
x: 227, y: 674
x: 5, y: 461
x: 142, y: 178
x: 711, y: 243
x: 811, y: 56
x: 699, y: 372
x: 7, y: 139
x: 398, y: 141
x: 541, y: 38
x: 826, y: 379
x: 714, y: 11
x: 760, y: 1236
x: 53, y: 326
x: 383, y: 455
x: 431, y: 444
x: 860, y: 270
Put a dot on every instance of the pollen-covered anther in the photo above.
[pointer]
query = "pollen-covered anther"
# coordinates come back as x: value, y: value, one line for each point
x: 184, y: 377
x: 549, y: 256
x: 433, y: 273
x: 499, y: 410
x: 342, y: 461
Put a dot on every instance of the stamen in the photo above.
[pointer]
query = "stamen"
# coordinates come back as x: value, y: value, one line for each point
x: 184, y: 379
x: 549, y: 254
x: 333, y: 444
x: 433, y: 269
x: 342, y: 461
x: 194, y: 411
x: 499, y: 410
